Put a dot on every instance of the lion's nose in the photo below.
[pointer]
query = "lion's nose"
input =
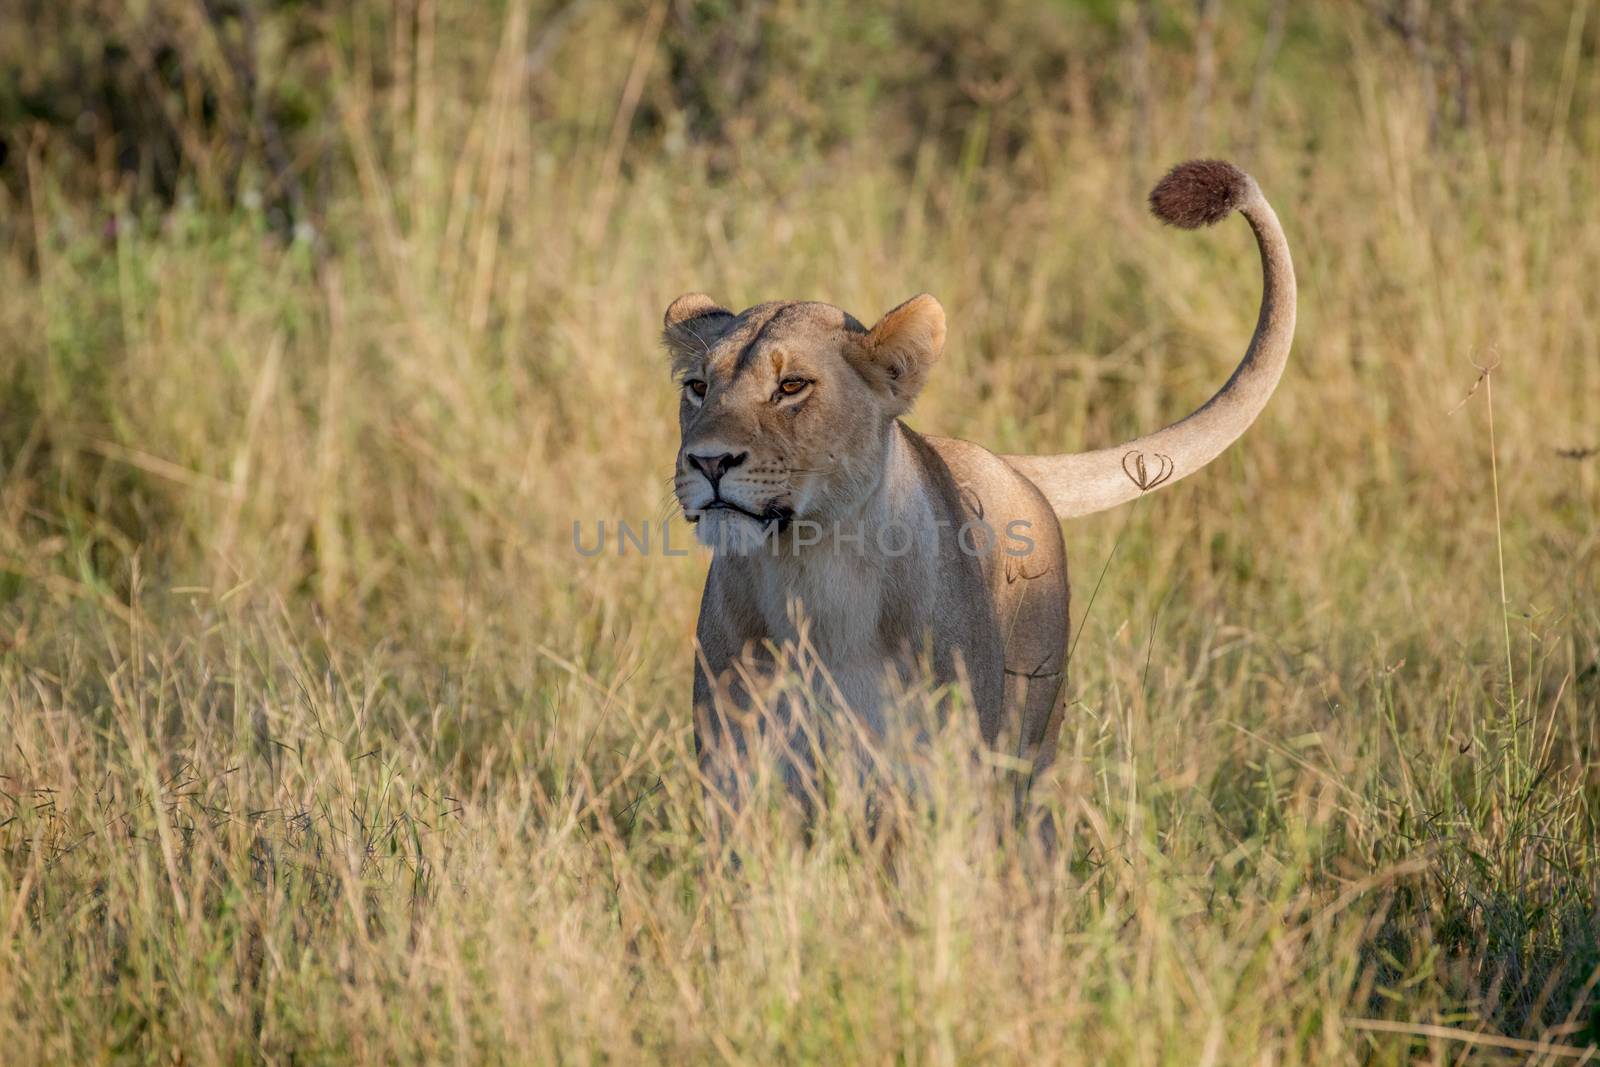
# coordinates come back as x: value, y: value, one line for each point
x: 714, y: 467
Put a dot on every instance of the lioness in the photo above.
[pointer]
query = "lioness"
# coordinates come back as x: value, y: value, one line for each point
x: 841, y: 532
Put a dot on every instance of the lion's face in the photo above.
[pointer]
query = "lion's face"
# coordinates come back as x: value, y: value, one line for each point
x: 785, y: 409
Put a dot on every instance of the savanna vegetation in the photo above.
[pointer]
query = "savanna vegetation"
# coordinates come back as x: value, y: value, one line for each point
x: 322, y: 323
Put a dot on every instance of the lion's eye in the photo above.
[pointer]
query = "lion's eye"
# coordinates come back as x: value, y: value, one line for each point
x: 695, y: 386
x: 792, y: 386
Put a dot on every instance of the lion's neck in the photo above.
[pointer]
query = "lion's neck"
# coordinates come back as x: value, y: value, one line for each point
x: 860, y: 572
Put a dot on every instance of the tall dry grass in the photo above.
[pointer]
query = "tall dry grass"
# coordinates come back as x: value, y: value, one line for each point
x: 320, y: 742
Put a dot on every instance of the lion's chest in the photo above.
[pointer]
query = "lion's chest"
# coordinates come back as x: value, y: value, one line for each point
x: 838, y: 612
x: 832, y: 605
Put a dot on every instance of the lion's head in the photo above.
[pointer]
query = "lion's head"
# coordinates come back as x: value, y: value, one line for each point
x: 786, y: 408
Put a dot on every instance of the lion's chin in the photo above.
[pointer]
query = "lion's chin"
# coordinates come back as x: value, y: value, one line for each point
x: 731, y: 532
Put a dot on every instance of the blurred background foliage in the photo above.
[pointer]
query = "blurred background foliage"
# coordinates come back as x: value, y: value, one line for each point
x: 220, y: 99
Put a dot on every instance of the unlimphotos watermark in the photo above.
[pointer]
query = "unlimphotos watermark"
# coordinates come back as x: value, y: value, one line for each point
x: 887, y: 539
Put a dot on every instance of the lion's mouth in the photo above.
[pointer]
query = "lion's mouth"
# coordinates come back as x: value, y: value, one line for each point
x: 773, y: 513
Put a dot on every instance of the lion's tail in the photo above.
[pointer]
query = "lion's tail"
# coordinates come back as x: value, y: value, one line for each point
x: 1193, y: 194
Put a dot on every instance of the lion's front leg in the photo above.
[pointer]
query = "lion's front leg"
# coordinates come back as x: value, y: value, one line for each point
x: 721, y: 744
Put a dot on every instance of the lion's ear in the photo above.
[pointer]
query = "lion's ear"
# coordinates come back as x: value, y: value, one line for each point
x: 691, y: 306
x: 691, y: 324
x: 902, y: 348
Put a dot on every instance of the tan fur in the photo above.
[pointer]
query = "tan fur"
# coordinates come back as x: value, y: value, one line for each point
x: 792, y: 443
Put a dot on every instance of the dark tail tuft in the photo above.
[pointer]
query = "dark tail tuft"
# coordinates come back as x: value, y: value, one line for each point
x: 1199, y: 193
